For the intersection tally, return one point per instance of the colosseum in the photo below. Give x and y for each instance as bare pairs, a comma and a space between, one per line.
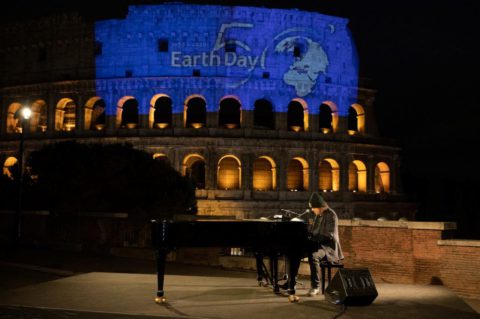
259, 106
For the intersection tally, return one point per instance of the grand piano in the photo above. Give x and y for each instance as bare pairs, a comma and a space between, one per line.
271, 238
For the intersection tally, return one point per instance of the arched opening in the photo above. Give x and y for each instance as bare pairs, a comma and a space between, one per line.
297, 175
128, 113
296, 116
14, 124
382, 178
325, 119
329, 175
160, 111
356, 119
195, 112
264, 174
328, 117
194, 167
263, 115
65, 115
38, 119
229, 113
357, 176
229, 173
10, 168
95, 114
352, 125
161, 157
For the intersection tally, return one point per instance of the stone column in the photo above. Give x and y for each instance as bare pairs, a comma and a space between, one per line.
79, 114
283, 158
281, 121
313, 161
51, 108
344, 163
211, 158
370, 174
395, 181
247, 175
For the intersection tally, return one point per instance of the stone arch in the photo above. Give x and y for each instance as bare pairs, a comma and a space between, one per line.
39, 117
9, 167
13, 124
127, 112
328, 175
263, 114
328, 117
229, 173
160, 114
297, 174
382, 178
356, 119
195, 111
357, 176
194, 167
297, 115
264, 174
94, 114
65, 115
161, 157
230, 112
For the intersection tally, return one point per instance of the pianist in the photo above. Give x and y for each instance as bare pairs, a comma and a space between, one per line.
323, 231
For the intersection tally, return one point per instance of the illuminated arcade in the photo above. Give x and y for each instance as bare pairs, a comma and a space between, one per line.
259, 106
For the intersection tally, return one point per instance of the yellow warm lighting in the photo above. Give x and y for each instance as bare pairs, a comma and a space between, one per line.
131, 125
231, 125
351, 132
99, 127
26, 113
69, 127
197, 125
296, 128
325, 130
161, 125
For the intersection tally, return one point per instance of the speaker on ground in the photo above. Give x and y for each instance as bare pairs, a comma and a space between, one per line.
351, 287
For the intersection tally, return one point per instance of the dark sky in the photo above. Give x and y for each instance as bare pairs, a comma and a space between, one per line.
420, 57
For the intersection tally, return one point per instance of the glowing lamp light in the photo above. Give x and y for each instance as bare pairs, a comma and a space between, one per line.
296, 128
351, 132
231, 125
325, 130
26, 113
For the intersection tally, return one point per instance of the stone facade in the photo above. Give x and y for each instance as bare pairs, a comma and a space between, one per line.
105, 82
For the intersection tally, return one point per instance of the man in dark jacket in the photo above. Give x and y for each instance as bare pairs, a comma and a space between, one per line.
323, 229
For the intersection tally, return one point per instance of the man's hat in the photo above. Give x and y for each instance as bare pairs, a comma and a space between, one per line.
316, 201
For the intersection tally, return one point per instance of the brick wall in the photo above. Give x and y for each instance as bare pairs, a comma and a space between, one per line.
412, 253
403, 253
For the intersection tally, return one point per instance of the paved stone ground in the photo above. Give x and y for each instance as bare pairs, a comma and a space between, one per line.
73, 286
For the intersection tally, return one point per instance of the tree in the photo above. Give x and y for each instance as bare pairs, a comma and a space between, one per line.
70, 177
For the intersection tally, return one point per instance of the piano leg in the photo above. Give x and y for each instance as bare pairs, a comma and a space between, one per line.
294, 264
161, 258
274, 272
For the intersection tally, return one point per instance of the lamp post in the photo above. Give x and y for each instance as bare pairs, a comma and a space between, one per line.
25, 114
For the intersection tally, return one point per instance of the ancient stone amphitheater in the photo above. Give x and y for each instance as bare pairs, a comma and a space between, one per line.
259, 106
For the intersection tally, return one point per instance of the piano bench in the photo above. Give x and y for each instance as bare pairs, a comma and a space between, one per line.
324, 264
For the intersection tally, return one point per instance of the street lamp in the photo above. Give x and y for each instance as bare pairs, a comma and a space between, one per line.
25, 114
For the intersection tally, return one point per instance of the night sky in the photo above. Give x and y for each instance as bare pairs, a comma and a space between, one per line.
420, 57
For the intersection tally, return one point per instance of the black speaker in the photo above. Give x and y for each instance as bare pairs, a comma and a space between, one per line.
351, 287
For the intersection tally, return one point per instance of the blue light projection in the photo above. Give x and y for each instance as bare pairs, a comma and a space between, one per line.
216, 51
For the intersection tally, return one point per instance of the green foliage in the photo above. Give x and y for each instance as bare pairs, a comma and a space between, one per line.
75, 177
